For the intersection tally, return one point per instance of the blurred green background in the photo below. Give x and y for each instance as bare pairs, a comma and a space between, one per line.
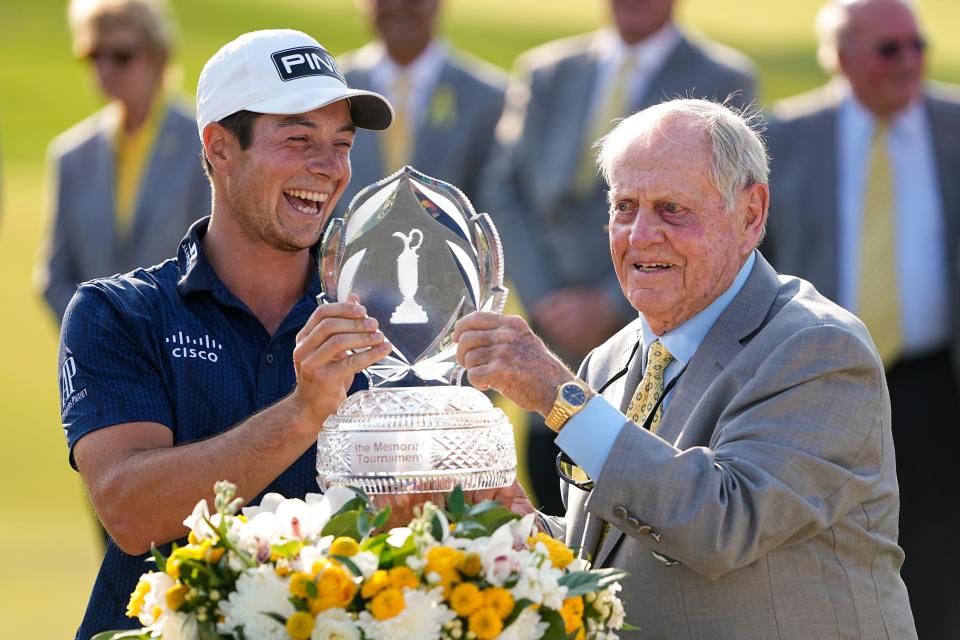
48, 549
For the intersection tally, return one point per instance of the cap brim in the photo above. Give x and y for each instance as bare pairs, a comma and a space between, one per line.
368, 110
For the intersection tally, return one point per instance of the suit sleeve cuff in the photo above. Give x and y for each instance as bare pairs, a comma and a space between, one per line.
588, 436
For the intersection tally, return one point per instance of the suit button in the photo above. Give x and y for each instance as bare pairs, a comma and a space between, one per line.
633, 522
620, 511
644, 529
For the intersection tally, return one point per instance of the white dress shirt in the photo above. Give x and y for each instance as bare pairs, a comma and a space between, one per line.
423, 74
649, 55
920, 252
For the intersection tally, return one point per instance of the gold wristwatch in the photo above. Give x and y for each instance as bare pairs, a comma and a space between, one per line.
572, 396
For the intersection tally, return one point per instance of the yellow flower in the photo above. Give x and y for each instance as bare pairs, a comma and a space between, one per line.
298, 584
300, 625
135, 606
176, 596
387, 604
318, 567
470, 564
443, 561
335, 587
560, 554
344, 546
485, 623
572, 614
401, 577
500, 600
376, 583
465, 599
173, 567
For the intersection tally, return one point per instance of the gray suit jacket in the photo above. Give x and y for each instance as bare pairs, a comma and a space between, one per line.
83, 242
803, 230
771, 480
450, 146
552, 236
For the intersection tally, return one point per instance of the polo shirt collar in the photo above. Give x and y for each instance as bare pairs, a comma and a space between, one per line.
197, 274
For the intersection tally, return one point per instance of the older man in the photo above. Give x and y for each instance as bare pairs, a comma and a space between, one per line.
731, 447
447, 102
865, 206
219, 364
542, 178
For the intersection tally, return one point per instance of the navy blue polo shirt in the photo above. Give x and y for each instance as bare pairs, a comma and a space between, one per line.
171, 345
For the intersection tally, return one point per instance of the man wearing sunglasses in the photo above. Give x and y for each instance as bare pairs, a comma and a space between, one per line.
731, 447
864, 206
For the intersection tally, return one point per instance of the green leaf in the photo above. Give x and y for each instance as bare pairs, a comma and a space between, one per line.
482, 507
456, 504
276, 616
344, 524
495, 517
288, 549
629, 627
349, 564
556, 630
299, 604
116, 635
159, 559
381, 518
581, 583
518, 608
354, 504
363, 524
436, 528
312, 589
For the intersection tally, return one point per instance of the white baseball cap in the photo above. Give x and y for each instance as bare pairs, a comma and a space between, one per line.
280, 71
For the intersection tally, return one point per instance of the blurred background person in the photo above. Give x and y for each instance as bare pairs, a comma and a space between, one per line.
447, 102
865, 205
542, 187
125, 183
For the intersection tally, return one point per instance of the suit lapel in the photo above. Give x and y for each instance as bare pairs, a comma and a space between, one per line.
576, 91
743, 316
100, 211
150, 209
432, 138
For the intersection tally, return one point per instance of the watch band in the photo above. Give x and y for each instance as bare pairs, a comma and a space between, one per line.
562, 410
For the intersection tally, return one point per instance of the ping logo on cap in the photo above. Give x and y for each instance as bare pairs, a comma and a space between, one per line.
300, 62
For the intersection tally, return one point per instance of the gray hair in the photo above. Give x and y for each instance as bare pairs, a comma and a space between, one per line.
831, 26
90, 19
738, 155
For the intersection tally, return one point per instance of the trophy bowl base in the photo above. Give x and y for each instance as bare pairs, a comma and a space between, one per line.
416, 440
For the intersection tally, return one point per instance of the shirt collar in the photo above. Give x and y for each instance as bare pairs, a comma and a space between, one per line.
860, 121
197, 274
649, 53
683, 342
421, 71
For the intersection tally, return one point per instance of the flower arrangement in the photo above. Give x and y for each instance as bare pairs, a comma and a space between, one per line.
318, 569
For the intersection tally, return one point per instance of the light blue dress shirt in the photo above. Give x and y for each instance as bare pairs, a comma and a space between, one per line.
589, 435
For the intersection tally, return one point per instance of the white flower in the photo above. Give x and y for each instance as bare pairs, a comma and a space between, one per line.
196, 521
398, 537
423, 617
610, 607
539, 584
335, 497
269, 504
298, 520
367, 562
259, 591
180, 626
154, 610
527, 626
334, 624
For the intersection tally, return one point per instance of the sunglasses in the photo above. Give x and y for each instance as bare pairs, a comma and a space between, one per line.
892, 49
117, 57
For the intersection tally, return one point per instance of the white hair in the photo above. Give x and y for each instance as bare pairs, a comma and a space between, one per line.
738, 155
831, 25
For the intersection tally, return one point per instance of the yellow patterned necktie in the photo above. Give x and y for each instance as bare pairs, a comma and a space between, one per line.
879, 301
650, 389
613, 106
398, 137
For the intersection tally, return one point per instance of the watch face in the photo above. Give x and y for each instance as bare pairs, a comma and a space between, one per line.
574, 395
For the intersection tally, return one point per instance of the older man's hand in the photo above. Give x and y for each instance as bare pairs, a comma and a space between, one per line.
503, 353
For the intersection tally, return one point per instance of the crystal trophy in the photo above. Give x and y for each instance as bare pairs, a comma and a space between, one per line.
419, 258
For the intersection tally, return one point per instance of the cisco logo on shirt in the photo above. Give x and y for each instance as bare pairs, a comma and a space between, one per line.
182, 345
